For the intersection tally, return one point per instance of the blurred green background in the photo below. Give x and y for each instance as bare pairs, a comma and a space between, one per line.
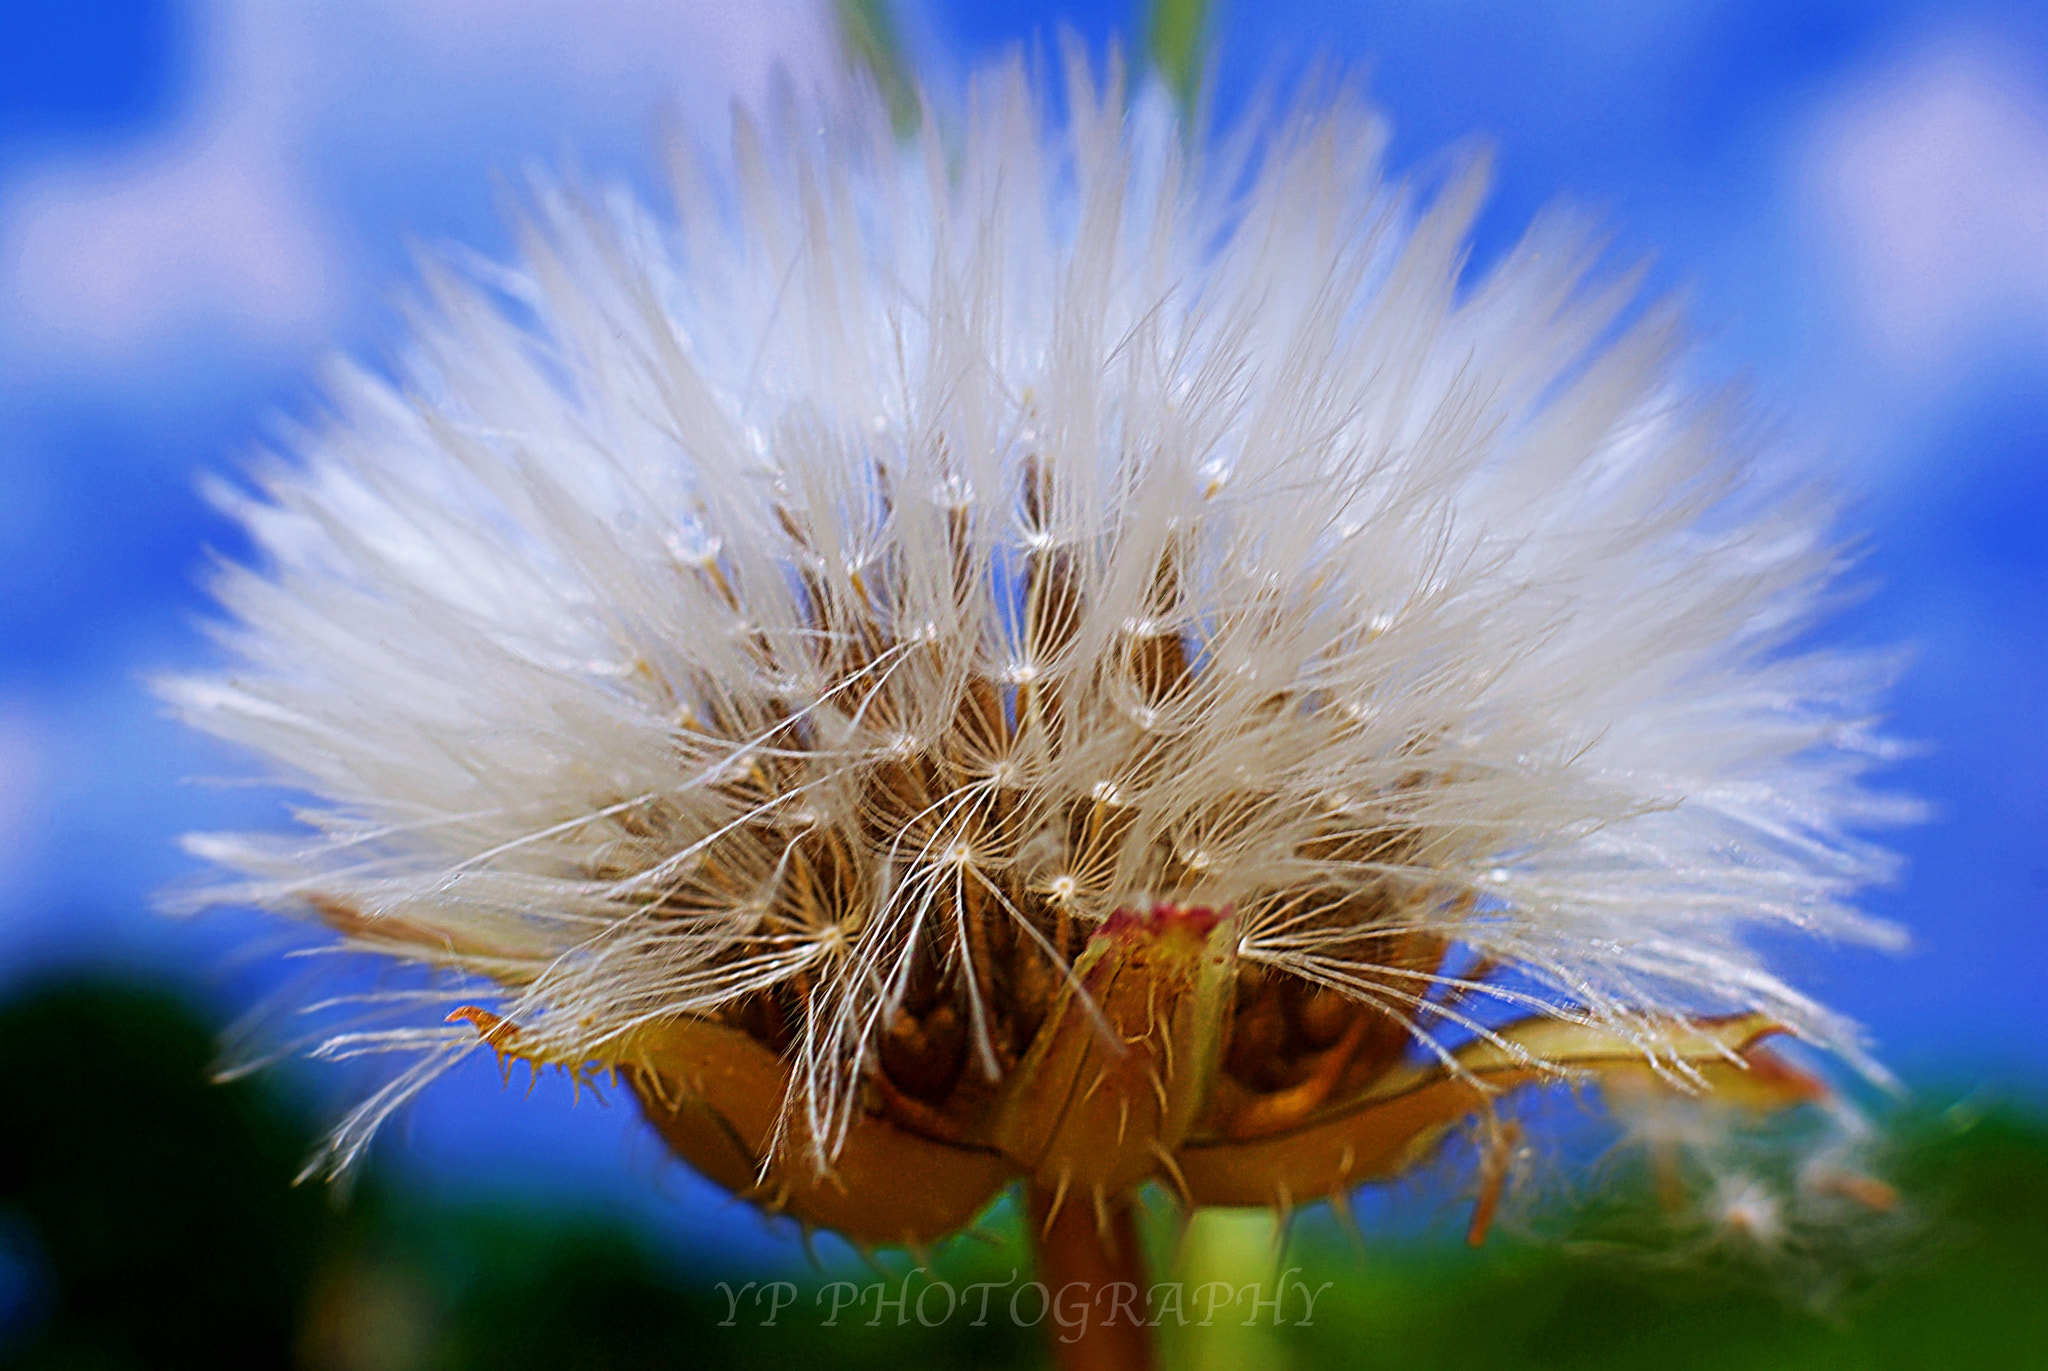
148, 1220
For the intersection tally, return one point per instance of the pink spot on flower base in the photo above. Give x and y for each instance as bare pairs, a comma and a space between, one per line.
1161, 919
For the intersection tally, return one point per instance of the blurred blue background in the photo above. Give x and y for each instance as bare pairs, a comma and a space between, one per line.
200, 200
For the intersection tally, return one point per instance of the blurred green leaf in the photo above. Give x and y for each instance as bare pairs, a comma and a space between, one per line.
872, 39
1177, 41
163, 1205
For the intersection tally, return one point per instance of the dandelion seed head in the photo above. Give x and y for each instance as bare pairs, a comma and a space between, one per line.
815, 616
1746, 1209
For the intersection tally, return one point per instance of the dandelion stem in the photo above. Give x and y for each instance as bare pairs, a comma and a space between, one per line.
1091, 1250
